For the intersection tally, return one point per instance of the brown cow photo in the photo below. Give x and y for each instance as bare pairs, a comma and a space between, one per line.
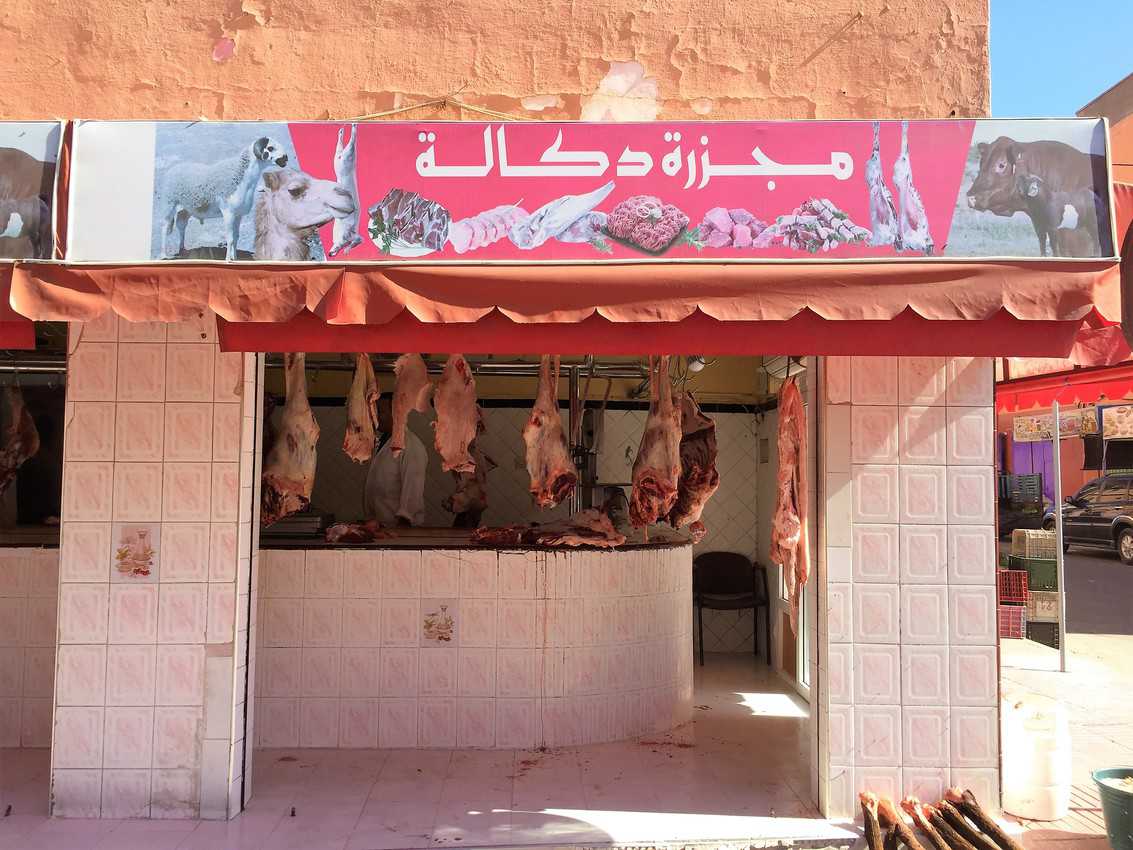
28, 152
1033, 197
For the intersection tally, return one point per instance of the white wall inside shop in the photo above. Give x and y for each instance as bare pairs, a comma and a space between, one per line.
733, 516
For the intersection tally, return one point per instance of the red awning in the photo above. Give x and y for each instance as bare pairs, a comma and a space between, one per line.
769, 307
15, 330
1085, 386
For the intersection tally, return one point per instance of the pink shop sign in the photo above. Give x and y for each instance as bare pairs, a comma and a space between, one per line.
470, 192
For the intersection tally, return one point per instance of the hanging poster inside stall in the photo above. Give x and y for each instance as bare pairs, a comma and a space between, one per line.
1117, 422
1075, 422
29, 154
590, 192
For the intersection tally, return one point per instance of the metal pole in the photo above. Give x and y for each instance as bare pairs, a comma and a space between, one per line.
1058, 552
573, 413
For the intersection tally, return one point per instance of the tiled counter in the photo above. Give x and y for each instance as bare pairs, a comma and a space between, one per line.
471, 648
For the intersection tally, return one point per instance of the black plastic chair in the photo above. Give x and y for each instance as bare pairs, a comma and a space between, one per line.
728, 581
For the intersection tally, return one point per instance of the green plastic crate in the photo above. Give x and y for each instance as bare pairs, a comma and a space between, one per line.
1042, 573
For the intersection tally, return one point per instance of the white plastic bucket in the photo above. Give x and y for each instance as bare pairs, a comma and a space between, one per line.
1036, 757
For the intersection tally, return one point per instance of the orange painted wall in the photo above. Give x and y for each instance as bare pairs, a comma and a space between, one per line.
339, 59
1121, 149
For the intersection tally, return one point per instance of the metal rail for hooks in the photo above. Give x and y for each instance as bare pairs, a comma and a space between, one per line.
512, 369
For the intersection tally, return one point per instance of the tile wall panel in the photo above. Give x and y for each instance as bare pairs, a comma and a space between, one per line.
148, 689
910, 661
29, 590
485, 666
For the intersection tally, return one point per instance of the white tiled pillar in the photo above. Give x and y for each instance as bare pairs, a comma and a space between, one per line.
911, 663
150, 672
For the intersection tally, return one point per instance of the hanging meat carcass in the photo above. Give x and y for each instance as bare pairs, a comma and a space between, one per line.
657, 470
411, 391
457, 415
21, 439
361, 412
289, 471
882, 212
553, 473
699, 478
912, 221
789, 543
471, 494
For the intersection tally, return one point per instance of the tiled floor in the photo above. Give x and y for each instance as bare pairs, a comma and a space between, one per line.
737, 772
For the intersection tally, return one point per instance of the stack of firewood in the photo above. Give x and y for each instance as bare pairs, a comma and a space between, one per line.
955, 823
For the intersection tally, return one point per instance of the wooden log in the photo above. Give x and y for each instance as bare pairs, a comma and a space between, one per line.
892, 842
887, 814
967, 803
953, 837
912, 807
869, 818
962, 825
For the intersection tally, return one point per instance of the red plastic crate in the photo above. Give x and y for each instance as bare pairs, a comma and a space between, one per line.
1012, 587
1012, 621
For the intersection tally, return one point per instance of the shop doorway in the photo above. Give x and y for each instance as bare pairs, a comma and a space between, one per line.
347, 719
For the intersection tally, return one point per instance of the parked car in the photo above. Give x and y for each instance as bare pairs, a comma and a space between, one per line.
1099, 514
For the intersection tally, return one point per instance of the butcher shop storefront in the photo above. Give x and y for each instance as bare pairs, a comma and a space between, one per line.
522, 483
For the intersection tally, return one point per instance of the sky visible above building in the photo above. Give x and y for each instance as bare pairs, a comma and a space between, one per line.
1049, 58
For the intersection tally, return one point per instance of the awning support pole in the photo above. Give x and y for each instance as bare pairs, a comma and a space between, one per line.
1059, 554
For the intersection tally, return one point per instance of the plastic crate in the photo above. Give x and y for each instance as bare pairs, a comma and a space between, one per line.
1033, 544
1042, 573
1042, 606
1012, 587
1044, 633
1012, 621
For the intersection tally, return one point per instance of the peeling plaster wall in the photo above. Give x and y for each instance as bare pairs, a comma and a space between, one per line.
555, 60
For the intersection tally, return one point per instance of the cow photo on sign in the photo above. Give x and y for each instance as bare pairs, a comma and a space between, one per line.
1034, 188
28, 154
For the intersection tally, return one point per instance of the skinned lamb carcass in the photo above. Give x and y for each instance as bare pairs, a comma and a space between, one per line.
361, 412
790, 546
411, 391
554, 217
21, 439
882, 212
457, 415
289, 471
471, 492
699, 478
553, 473
657, 469
912, 221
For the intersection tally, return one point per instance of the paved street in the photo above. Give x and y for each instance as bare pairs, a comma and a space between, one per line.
1099, 598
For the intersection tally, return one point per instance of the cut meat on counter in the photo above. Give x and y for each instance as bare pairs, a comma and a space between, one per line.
723, 228
484, 228
646, 222
554, 217
699, 478
457, 415
471, 494
406, 217
789, 542
553, 473
657, 469
289, 471
361, 412
21, 439
411, 391
590, 527
357, 532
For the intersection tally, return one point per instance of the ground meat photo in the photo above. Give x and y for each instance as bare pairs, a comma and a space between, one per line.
645, 222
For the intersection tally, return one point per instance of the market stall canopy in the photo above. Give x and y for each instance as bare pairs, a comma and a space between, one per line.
1085, 386
591, 235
